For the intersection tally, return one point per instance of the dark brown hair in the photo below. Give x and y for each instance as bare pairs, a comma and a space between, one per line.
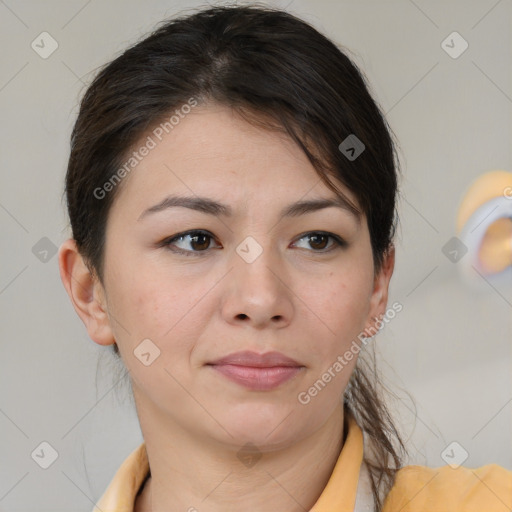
276, 71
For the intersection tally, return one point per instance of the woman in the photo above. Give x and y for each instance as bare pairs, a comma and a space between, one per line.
232, 195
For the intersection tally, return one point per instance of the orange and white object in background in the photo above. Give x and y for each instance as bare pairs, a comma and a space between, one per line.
484, 225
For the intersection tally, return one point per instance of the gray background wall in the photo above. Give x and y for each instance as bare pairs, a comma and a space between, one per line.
450, 347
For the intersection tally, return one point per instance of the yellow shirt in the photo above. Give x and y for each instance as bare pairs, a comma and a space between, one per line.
416, 488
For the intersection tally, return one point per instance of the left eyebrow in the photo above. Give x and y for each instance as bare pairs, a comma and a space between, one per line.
211, 207
312, 205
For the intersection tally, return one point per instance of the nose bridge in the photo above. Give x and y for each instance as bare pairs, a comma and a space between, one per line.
258, 294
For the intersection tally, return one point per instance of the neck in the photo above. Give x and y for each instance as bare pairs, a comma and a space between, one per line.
193, 475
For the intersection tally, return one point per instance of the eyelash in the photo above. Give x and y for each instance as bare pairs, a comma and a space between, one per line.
339, 243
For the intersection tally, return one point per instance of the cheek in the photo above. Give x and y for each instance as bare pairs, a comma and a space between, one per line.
150, 305
168, 314
341, 302
342, 307
164, 309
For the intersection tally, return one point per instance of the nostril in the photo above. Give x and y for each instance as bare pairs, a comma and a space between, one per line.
242, 316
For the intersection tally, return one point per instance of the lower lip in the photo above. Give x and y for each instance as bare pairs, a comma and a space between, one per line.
260, 379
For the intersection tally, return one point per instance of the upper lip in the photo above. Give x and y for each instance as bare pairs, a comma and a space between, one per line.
248, 358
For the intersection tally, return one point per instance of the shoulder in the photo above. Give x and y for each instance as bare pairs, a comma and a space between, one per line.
420, 488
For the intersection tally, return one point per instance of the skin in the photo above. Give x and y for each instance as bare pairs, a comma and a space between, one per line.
297, 297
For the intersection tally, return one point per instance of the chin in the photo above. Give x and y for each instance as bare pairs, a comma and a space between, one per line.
267, 426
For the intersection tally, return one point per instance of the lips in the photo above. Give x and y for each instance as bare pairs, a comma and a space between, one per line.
258, 372
248, 358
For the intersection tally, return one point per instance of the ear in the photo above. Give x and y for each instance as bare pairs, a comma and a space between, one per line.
86, 293
379, 298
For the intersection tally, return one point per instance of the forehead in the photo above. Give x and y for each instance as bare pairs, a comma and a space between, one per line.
212, 151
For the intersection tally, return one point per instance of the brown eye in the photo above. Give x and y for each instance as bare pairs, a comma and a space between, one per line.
189, 243
319, 241
200, 242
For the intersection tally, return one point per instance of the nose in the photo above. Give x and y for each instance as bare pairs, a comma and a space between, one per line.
257, 293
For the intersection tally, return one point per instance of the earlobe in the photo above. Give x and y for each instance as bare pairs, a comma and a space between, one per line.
85, 292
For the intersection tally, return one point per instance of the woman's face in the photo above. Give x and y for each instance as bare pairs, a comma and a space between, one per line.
252, 280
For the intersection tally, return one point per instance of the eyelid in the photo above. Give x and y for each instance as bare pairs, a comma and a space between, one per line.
167, 242
339, 242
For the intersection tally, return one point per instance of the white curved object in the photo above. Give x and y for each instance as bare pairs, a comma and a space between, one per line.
472, 235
